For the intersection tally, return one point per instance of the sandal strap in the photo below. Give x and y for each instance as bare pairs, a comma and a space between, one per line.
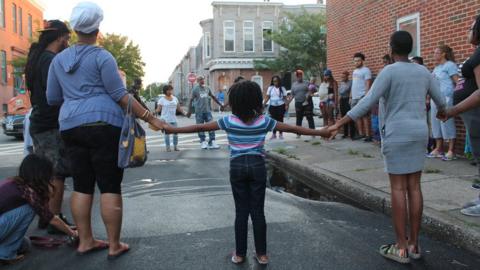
394, 250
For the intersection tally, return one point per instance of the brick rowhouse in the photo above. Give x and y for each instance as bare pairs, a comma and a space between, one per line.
366, 26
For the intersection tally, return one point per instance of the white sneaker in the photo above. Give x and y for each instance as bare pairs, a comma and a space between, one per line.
214, 145
204, 145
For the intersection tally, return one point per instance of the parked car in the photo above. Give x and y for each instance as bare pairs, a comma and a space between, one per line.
13, 125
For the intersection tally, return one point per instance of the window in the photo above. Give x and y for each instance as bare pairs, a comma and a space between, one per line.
248, 36
411, 24
267, 31
30, 26
17, 79
3, 66
14, 18
229, 36
2, 13
20, 21
206, 45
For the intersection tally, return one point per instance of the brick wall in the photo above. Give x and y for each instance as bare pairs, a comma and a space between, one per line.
366, 26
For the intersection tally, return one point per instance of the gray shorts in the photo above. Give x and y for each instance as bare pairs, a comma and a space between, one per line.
50, 145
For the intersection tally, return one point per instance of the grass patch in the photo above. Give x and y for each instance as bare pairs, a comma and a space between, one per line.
361, 170
284, 152
431, 170
353, 152
316, 143
367, 155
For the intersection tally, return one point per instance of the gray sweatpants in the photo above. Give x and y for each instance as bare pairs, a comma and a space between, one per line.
471, 119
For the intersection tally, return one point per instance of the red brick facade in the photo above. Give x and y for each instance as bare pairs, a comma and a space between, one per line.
365, 26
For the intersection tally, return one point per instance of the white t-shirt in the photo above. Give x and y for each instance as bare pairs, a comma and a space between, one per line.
169, 109
276, 97
359, 79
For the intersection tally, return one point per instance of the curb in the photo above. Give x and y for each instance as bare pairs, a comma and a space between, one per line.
439, 225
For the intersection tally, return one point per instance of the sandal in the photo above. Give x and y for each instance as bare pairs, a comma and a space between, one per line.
46, 242
392, 252
262, 259
237, 259
414, 252
15, 260
449, 157
434, 154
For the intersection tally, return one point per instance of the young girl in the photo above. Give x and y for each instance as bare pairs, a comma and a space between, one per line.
169, 106
21, 197
247, 128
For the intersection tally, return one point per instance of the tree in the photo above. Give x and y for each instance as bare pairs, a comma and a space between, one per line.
127, 54
303, 38
152, 90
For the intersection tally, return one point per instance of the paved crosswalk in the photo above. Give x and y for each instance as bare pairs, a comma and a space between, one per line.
185, 141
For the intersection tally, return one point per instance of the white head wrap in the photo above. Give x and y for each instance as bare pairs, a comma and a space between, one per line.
86, 17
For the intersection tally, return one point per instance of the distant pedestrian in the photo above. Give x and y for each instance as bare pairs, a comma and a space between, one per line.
221, 98
328, 102
417, 60
446, 73
402, 88
84, 80
247, 128
303, 104
276, 97
44, 126
168, 106
344, 91
201, 101
135, 91
467, 105
361, 83
21, 198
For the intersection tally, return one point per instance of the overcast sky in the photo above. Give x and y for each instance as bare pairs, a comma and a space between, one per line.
163, 29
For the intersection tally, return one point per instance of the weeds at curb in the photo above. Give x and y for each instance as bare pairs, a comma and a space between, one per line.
430, 170
367, 156
316, 143
284, 152
353, 152
361, 170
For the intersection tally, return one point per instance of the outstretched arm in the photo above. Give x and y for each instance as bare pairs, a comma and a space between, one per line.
212, 126
302, 131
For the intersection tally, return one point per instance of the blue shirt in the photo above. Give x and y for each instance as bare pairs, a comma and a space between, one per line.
85, 81
246, 139
443, 73
221, 96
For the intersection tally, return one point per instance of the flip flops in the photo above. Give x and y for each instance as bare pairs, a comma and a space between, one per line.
100, 247
260, 260
46, 242
237, 259
392, 252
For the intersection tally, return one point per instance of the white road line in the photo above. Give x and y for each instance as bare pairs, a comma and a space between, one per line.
11, 147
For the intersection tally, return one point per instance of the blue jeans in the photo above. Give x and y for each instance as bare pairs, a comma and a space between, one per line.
248, 177
175, 136
13, 226
202, 118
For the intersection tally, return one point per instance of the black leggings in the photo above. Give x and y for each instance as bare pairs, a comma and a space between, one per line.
307, 111
348, 129
93, 151
277, 113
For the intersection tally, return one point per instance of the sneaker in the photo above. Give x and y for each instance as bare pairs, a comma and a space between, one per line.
473, 211
368, 139
476, 186
204, 145
175, 148
471, 203
299, 136
213, 145
273, 137
280, 137
169, 149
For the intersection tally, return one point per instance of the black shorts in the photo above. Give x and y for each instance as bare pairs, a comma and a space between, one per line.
93, 152
277, 112
50, 145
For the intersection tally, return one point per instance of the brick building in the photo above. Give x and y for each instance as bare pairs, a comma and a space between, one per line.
366, 26
19, 20
232, 39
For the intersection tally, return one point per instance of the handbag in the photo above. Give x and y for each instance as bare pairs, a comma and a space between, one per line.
132, 148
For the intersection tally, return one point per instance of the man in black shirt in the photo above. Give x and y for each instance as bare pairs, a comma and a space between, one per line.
44, 127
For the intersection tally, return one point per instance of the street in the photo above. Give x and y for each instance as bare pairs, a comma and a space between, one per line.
179, 214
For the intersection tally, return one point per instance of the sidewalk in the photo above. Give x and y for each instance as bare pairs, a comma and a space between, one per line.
355, 169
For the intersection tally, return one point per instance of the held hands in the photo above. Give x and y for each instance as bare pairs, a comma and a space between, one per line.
157, 124
333, 130
445, 114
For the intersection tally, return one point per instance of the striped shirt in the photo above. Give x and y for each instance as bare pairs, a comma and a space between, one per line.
246, 139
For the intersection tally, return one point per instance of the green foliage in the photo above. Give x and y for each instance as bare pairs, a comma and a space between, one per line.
126, 53
152, 90
304, 38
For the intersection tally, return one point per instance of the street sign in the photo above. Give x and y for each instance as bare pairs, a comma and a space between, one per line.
192, 77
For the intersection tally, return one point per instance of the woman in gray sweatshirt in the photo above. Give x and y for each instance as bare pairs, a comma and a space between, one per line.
401, 89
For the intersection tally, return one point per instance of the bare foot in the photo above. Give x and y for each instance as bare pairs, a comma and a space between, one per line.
118, 250
96, 244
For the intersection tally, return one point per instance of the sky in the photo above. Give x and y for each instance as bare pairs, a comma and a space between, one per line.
164, 30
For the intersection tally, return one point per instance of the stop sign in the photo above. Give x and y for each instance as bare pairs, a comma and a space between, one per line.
192, 77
